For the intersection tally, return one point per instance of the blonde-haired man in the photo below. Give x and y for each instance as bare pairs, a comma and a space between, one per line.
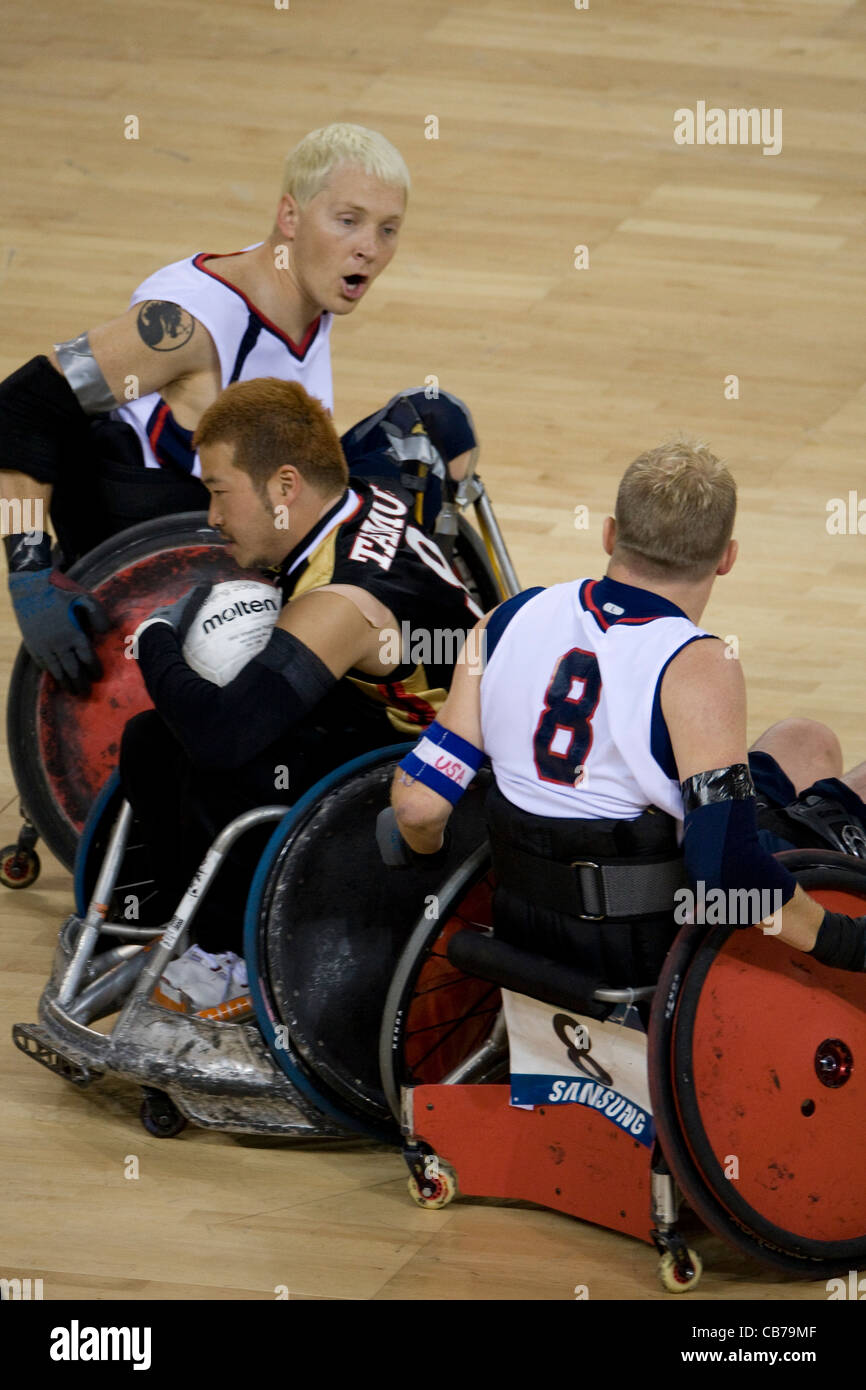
100, 430
616, 730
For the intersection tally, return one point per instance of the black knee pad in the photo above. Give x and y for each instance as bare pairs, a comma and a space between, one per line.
447, 421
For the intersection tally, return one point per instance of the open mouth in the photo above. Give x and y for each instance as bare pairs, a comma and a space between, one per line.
354, 285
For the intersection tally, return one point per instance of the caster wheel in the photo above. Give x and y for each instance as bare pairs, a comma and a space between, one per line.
677, 1279
161, 1117
18, 867
442, 1190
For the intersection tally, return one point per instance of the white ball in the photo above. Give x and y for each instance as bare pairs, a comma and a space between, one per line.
232, 626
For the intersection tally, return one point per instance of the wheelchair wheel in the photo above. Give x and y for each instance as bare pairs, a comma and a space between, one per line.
757, 1065
135, 889
63, 747
434, 1015
325, 925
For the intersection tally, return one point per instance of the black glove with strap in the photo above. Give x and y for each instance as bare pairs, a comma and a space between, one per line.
54, 613
841, 942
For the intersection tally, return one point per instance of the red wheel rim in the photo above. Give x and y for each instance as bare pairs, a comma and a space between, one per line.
780, 1149
79, 739
450, 1013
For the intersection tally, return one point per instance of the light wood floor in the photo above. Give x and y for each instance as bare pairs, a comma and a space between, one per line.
555, 130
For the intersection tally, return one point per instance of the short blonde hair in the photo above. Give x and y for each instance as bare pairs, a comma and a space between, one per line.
311, 163
675, 511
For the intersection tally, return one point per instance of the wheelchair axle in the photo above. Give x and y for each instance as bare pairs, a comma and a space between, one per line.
159, 1114
679, 1267
432, 1183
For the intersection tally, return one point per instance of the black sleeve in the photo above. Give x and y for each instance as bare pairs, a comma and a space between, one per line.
41, 421
228, 726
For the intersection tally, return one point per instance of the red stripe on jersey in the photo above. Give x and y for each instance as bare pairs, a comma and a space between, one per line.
158, 427
298, 349
604, 622
596, 612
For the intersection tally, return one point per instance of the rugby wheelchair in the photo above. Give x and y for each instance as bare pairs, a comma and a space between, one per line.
62, 747
383, 1005
733, 1082
325, 925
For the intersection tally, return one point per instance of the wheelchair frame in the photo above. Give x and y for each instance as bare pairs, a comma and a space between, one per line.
19, 862
560, 1156
227, 1076
221, 1076
234, 1076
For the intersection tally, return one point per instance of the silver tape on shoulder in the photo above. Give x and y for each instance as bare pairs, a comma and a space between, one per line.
84, 375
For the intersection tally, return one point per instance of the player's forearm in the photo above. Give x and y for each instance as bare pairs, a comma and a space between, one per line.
796, 923
25, 504
228, 726
420, 820
830, 937
424, 839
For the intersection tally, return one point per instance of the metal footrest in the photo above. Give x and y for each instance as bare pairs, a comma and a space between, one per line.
36, 1042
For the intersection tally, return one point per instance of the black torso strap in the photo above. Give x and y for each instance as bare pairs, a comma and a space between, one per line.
591, 869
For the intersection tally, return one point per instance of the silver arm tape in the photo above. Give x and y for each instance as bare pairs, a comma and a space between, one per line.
84, 375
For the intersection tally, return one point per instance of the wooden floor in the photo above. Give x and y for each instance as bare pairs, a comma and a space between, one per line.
555, 130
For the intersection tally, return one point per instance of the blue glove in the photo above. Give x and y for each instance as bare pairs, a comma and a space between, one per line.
55, 615
178, 615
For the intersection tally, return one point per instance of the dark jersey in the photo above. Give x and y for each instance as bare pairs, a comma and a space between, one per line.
368, 539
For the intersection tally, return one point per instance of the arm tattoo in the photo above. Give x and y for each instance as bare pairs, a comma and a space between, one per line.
164, 326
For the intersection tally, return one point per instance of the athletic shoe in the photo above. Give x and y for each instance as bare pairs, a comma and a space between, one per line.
198, 980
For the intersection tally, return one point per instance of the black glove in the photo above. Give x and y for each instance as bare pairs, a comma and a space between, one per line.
54, 614
841, 942
397, 854
179, 615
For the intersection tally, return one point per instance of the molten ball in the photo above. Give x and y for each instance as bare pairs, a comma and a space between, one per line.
232, 626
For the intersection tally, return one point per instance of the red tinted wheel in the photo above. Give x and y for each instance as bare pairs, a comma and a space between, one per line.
435, 1016
758, 1077
63, 747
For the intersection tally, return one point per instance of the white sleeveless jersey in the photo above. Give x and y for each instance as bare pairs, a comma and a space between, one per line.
570, 708
247, 343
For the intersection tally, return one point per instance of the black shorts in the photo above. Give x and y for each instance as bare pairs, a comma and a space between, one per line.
181, 808
774, 789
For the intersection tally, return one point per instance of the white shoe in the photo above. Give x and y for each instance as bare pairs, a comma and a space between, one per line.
239, 981
198, 980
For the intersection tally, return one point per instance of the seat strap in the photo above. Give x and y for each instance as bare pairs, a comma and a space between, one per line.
592, 889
